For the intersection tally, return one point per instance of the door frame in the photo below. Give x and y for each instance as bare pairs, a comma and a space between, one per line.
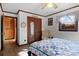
2, 42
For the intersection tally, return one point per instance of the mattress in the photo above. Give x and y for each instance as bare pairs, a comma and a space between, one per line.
55, 47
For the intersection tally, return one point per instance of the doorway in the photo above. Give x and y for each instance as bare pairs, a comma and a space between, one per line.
8, 31
34, 29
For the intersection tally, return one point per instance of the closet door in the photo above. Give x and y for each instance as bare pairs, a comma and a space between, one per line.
38, 29
33, 29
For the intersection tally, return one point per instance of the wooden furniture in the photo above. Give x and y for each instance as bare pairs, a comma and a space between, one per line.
34, 33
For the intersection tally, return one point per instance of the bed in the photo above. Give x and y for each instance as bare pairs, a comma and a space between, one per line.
54, 47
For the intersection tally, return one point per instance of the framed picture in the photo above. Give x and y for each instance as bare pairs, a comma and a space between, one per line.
50, 21
68, 23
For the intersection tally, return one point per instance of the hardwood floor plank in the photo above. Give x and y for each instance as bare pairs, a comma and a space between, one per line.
11, 48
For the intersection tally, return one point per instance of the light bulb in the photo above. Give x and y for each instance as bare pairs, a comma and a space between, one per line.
49, 5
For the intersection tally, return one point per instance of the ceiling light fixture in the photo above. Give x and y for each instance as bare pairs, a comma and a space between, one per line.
49, 5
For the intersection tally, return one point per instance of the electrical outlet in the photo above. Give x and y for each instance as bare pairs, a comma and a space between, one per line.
24, 40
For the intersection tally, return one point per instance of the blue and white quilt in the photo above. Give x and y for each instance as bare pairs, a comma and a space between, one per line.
55, 47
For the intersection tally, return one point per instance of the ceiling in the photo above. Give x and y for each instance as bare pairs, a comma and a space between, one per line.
36, 7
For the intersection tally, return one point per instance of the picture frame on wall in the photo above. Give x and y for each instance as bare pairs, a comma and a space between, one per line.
50, 21
68, 23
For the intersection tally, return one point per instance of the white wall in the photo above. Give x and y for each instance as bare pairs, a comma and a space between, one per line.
0, 26
22, 32
64, 34
9, 14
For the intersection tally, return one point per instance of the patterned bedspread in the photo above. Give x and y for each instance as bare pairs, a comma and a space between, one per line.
55, 47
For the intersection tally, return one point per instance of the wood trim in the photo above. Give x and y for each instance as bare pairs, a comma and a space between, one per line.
10, 16
33, 17
30, 13
9, 12
46, 15
1, 32
6, 11
1, 7
19, 11
17, 31
38, 14
63, 10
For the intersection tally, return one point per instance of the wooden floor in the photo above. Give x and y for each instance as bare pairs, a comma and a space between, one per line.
11, 48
